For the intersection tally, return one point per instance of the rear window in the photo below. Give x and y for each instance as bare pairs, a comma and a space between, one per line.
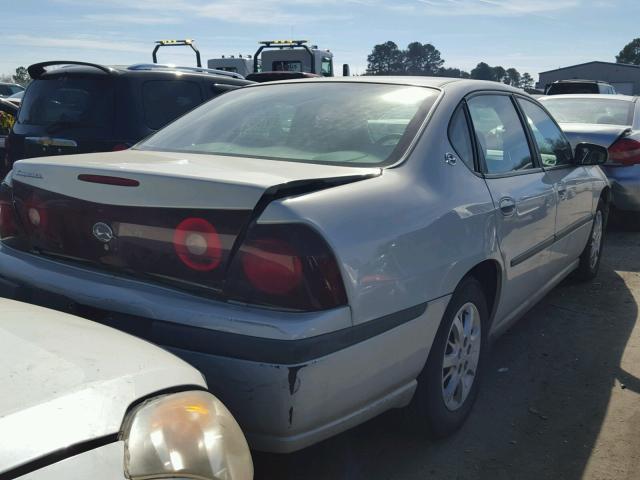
601, 111
332, 123
573, 87
72, 101
166, 100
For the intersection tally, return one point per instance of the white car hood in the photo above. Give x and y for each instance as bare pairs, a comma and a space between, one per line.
67, 380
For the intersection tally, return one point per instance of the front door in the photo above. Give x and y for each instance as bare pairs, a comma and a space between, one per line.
524, 199
573, 185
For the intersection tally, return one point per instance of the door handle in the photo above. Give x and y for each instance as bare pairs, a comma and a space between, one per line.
507, 206
562, 190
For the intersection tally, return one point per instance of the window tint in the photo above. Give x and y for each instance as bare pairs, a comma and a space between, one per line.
554, 148
573, 87
344, 123
326, 67
502, 141
287, 66
165, 100
460, 137
73, 101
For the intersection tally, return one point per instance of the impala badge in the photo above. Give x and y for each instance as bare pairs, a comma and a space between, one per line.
103, 232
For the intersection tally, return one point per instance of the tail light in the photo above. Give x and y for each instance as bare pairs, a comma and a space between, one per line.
286, 266
8, 227
119, 147
197, 244
625, 151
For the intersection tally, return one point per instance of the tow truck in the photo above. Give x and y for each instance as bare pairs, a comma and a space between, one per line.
280, 59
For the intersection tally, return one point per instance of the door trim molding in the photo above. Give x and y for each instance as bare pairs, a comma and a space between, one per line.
517, 260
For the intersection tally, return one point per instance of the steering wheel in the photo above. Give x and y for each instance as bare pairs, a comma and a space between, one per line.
384, 141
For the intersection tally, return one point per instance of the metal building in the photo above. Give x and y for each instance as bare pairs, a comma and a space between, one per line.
624, 77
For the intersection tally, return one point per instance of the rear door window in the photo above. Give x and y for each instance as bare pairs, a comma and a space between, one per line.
502, 141
460, 137
82, 102
166, 100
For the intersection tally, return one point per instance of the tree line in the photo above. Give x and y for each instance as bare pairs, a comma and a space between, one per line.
21, 77
425, 59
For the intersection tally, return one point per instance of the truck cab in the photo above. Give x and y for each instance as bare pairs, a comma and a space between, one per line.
295, 56
279, 59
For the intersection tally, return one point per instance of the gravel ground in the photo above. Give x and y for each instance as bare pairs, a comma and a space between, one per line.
560, 399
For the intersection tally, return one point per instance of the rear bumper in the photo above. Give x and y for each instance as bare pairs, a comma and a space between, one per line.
291, 380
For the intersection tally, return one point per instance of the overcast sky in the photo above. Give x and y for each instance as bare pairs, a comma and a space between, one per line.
531, 36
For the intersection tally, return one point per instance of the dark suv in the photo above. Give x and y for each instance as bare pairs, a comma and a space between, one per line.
80, 107
562, 87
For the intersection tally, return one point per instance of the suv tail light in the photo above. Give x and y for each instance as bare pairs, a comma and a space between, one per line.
285, 266
8, 226
625, 151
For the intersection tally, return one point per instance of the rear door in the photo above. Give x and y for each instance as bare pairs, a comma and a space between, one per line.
524, 200
573, 184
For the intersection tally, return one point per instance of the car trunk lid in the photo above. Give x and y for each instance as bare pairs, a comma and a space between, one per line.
168, 217
603, 135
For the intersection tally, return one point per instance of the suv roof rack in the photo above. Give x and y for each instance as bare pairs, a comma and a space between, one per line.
38, 69
176, 43
157, 66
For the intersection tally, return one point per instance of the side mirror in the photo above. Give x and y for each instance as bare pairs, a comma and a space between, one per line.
590, 154
346, 71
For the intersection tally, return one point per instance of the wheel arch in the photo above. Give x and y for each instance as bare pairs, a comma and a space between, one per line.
489, 274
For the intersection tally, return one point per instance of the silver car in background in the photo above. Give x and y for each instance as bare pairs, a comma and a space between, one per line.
612, 121
322, 250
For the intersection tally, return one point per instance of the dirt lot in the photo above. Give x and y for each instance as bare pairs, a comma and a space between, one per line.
560, 400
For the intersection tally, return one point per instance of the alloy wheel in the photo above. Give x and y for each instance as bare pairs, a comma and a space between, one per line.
461, 356
596, 240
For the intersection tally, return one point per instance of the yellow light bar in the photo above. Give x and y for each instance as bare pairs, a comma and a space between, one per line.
284, 42
188, 41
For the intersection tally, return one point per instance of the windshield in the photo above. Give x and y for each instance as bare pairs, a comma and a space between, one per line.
338, 123
77, 101
590, 110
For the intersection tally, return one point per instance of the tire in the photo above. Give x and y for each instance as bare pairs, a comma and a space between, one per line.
592, 254
433, 409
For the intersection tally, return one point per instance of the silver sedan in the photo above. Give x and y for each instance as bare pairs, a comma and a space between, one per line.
612, 121
322, 250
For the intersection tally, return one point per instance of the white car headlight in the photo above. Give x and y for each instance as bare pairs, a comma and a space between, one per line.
185, 435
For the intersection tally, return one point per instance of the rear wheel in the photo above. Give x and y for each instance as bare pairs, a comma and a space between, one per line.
592, 253
448, 384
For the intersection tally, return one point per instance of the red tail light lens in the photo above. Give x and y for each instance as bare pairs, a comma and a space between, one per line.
197, 244
119, 147
286, 266
8, 227
625, 151
272, 266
